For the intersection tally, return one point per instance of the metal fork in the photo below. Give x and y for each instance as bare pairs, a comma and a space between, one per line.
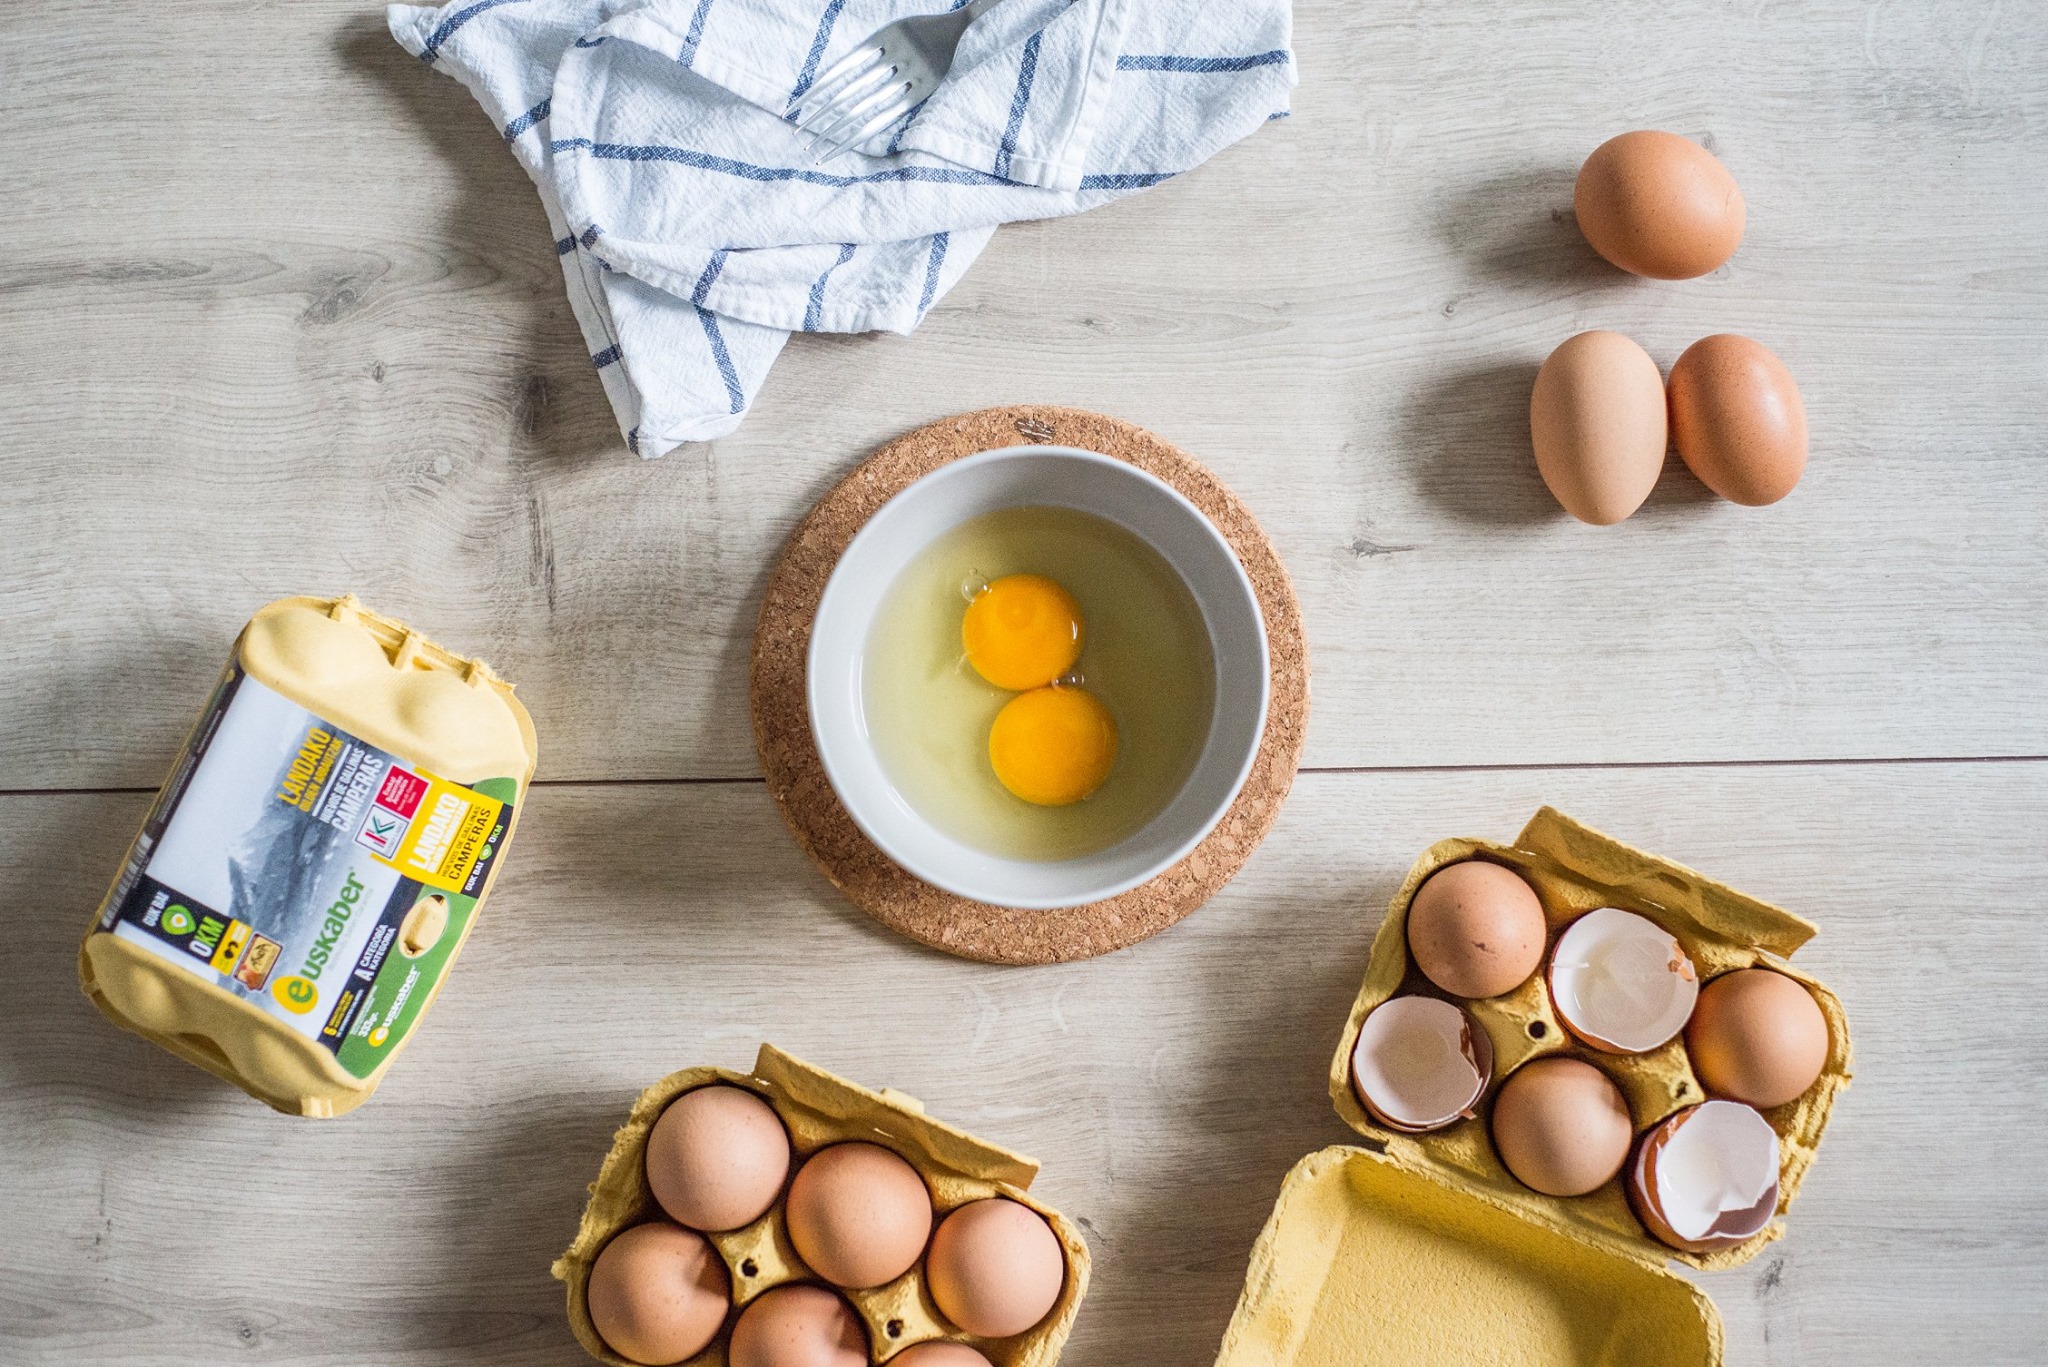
883, 78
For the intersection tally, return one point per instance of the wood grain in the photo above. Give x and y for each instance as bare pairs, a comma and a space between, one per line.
280, 314
154, 1216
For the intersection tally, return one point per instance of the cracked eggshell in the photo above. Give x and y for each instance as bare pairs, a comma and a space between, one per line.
1622, 983
1707, 1177
1420, 1064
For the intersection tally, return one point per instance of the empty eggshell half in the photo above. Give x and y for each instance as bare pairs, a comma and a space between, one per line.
1621, 982
1707, 1177
1420, 1064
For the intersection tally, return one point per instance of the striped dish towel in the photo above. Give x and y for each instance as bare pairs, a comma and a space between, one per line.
694, 230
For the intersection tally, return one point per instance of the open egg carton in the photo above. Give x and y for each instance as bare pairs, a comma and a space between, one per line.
1425, 1247
1575, 870
818, 1110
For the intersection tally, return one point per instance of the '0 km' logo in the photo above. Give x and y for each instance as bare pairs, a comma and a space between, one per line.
295, 994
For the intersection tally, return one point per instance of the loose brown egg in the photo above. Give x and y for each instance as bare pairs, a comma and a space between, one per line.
1476, 929
717, 1157
939, 1354
1737, 419
1659, 205
858, 1214
995, 1268
1597, 420
1561, 1126
798, 1326
1757, 1036
658, 1293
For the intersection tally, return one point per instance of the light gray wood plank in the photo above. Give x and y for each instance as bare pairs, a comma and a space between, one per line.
151, 1215
279, 314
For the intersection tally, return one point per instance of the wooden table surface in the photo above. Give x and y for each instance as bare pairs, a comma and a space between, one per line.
280, 314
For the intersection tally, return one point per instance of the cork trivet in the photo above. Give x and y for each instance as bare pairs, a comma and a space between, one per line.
796, 777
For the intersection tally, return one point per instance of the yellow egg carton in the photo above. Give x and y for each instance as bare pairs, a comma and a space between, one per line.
819, 1110
1423, 1248
315, 862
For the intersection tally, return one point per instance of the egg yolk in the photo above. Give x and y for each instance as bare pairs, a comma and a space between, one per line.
1023, 632
1053, 746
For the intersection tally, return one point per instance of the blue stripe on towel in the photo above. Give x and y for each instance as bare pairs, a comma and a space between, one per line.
688, 54
432, 47
592, 42
704, 161
1139, 180
1027, 71
526, 120
565, 246
605, 357
724, 358
633, 441
931, 272
590, 236
810, 71
710, 276
1201, 64
814, 312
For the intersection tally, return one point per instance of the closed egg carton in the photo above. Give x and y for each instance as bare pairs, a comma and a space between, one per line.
388, 686
820, 1109
1574, 870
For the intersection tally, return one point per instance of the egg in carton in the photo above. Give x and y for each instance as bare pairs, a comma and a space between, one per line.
819, 1110
1424, 1244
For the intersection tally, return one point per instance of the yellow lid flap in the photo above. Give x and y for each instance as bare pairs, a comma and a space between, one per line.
1634, 876
1370, 1260
894, 1116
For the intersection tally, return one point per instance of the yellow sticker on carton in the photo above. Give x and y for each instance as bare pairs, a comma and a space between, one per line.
447, 838
231, 945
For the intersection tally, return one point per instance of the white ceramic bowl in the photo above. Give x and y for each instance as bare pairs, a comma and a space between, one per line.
1037, 476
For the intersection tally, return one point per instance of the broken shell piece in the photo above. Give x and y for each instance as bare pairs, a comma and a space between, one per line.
1420, 1064
1707, 1177
1620, 982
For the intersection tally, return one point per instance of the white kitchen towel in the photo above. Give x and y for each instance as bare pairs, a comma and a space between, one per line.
695, 231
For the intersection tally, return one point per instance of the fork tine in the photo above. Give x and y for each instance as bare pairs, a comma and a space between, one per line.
830, 106
866, 131
892, 91
861, 56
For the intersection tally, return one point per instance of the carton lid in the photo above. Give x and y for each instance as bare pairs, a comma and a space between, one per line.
894, 1116
1371, 1260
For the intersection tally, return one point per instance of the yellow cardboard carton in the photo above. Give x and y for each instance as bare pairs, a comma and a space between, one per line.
1422, 1248
820, 1109
313, 865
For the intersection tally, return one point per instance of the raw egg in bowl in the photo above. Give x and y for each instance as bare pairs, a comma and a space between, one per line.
1037, 677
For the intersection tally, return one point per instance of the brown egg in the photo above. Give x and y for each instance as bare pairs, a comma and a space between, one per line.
939, 1354
1737, 420
858, 1214
1561, 1126
658, 1293
1757, 1036
1476, 929
798, 1326
995, 1268
1597, 420
1659, 205
717, 1157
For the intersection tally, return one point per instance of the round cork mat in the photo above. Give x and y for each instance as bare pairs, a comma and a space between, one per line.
796, 777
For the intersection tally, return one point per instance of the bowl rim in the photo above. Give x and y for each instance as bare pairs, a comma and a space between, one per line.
873, 528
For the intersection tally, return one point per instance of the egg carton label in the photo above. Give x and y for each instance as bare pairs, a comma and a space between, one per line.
320, 879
